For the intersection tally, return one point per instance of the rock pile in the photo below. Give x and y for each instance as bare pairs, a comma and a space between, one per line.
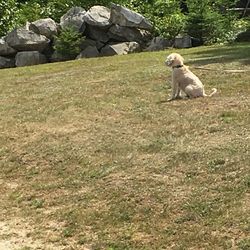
114, 31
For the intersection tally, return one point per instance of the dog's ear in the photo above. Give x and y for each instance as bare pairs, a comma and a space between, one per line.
179, 57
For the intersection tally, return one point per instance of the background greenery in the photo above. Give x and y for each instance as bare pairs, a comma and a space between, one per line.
208, 20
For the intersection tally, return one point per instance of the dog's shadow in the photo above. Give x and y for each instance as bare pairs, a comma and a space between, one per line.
162, 101
184, 98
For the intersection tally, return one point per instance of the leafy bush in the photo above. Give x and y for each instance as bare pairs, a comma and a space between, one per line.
55, 9
29, 12
8, 17
68, 43
239, 26
166, 16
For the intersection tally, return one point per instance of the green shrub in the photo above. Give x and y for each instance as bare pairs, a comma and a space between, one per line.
166, 16
8, 17
55, 9
29, 12
68, 42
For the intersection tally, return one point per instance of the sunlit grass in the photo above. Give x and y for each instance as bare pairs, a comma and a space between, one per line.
92, 156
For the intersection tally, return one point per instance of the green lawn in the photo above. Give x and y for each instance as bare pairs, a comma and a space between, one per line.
93, 157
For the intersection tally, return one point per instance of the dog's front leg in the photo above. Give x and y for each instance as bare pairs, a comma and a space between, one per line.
175, 91
178, 95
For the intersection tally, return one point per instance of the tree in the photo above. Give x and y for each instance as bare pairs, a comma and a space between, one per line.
68, 43
209, 20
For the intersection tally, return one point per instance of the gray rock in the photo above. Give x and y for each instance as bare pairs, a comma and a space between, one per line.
97, 34
183, 42
57, 57
90, 51
26, 40
159, 43
120, 49
74, 18
88, 42
98, 16
128, 18
127, 34
46, 27
28, 58
5, 49
6, 62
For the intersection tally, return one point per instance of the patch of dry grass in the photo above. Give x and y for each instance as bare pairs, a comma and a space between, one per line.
92, 157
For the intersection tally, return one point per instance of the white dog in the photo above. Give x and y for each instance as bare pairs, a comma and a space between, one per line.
184, 80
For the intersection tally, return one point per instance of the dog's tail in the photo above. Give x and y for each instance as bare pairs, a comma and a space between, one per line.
214, 90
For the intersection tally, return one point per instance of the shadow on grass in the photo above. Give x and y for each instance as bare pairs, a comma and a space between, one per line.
226, 54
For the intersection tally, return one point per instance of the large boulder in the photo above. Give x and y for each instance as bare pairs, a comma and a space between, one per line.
5, 49
120, 49
128, 18
97, 34
6, 62
181, 42
98, 16
28, 58
46, 27
26, 40
74, 18
90, 51
159, 43
127, 34
91, 43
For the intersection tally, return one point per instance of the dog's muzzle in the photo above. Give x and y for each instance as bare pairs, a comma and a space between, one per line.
168, 62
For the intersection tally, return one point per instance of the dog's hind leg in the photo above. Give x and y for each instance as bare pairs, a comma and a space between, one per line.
192, 92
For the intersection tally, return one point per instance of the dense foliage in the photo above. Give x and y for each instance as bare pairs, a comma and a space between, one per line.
8, 17
166, 15
208, 20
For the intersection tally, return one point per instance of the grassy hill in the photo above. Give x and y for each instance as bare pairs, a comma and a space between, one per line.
92, 157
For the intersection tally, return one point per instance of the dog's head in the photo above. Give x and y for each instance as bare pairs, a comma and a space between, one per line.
174, 59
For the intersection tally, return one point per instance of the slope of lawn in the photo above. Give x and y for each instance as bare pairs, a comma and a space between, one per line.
93, 157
